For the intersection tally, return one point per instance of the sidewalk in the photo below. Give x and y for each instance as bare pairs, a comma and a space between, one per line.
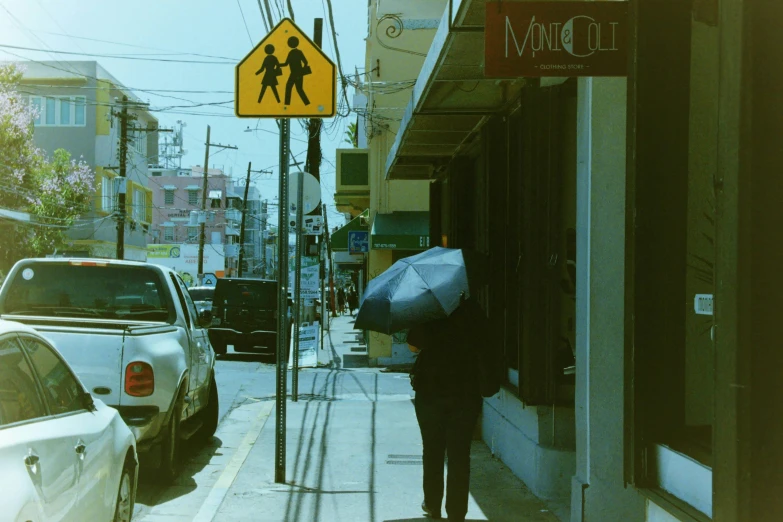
354, 454
346, 345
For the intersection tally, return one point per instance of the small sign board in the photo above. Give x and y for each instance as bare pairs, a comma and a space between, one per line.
703, 304
538, 39
358, 241
309, 336
310, 280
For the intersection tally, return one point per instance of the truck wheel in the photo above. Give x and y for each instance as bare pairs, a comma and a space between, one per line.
220, 348
170, 447
210, 414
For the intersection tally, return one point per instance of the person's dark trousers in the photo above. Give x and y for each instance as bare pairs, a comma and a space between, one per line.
299, 84
447, 425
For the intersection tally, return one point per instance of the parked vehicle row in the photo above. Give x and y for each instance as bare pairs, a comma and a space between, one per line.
133, 347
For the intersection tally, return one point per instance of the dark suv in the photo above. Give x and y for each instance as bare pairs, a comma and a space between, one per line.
244, 314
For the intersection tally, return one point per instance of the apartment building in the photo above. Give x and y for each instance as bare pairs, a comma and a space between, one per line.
78, 102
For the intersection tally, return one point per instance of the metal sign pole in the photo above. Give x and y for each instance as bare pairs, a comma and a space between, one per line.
298, 285
282, 304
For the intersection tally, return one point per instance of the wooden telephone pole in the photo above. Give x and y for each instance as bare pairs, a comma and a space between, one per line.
201, 238
125, 119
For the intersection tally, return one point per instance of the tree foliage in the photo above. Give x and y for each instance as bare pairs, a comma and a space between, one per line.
352, 134
56, 191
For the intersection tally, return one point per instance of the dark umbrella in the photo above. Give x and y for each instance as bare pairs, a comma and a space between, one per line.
413, 291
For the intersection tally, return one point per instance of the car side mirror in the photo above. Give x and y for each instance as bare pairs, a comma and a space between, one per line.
205, 318
88, 402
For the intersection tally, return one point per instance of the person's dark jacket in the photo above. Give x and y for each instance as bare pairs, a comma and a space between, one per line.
448, 361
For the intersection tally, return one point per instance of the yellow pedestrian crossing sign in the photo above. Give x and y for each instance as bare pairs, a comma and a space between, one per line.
285, 76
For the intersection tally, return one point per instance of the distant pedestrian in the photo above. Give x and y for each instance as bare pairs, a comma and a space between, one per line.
271, 70
353, 300
340, 301
446, 378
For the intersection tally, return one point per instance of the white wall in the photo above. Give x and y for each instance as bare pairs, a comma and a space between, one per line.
598, 490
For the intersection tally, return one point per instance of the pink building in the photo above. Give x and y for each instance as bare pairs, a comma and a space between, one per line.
178, 192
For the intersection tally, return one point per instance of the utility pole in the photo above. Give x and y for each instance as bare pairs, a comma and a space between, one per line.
282, 305
244, 216
125, 118
327, 238
202, 218
264, 210
123, 176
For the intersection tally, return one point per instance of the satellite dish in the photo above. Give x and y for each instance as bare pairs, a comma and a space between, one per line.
311, 193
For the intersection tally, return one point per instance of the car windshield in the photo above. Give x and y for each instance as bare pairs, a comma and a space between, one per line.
256, 294
101, 292
201, 294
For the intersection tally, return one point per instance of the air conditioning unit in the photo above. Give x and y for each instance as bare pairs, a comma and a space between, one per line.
353, 170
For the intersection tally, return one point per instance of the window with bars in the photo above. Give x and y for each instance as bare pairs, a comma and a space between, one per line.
60, 111
193, 233
193, 197
168, 197
168, 233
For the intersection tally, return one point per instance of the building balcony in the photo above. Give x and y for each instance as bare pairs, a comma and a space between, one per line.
234, 215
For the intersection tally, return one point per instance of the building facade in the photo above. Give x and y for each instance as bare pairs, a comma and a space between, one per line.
175, 197
399, 36
629, 224
78, 103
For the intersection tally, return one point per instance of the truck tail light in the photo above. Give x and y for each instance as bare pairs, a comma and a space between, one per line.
139, 379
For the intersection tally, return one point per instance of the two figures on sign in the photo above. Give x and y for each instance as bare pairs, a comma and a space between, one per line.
272, 68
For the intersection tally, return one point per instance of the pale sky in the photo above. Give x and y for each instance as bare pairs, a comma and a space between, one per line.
161, 28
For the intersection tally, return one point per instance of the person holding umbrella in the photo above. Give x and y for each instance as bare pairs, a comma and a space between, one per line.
448, 401
431, 295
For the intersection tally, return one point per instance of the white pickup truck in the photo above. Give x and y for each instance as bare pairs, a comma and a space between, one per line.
131, 333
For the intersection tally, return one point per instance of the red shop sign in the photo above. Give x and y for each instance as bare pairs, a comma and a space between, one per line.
534, 39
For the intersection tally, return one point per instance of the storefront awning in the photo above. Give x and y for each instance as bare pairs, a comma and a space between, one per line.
401, 231
339, 238
452, 99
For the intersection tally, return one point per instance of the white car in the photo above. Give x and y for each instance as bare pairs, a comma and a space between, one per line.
64, 456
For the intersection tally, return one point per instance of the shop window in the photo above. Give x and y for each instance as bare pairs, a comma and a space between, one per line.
673, 245
540, 256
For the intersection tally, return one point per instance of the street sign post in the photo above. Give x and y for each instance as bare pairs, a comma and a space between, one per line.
286, 76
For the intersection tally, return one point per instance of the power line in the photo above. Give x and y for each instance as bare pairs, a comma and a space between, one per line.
245, 22
138, 46
116, 56
26, 84
263, 16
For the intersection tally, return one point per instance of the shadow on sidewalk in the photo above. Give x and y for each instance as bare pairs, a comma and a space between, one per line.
501, 495
322, 402
195, 457
427, 519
